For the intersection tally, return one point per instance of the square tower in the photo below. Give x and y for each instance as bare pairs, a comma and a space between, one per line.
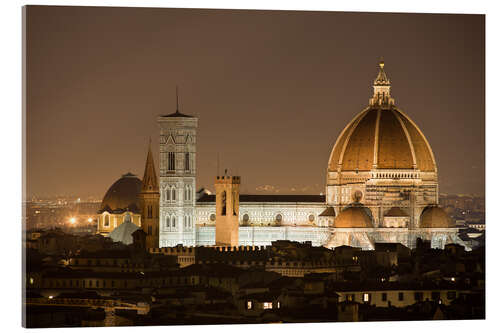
227, 208
177, 179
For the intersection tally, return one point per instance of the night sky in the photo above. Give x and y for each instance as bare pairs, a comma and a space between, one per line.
272, 91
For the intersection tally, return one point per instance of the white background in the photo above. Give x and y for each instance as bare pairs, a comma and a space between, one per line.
11, 162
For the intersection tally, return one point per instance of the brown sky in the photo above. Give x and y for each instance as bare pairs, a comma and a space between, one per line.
272, 91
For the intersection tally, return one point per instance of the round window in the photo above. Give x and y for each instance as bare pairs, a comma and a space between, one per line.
246, 218
279, 218
311, 218
212, 217
357, 196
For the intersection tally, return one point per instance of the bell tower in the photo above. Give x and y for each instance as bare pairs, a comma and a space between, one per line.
227, 206
149, 198
177, 178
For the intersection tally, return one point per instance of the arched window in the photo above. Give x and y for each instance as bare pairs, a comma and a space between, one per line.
168, 193
173, 193
168, 221
173, 221
223, 199
171, 161
186, 162
150, 212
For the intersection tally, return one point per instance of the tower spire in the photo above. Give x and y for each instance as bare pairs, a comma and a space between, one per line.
381, 88
177, 98
149, 181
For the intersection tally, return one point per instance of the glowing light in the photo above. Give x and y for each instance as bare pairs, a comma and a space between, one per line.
51, 297
90, 219
72, 220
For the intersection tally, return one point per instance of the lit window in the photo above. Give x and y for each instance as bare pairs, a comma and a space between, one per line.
249, 305
366, 297
267, 305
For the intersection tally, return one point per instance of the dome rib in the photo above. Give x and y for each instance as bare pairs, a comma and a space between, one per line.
424, 154
375, 141
338, 147
358, 149
393, 147
410, 143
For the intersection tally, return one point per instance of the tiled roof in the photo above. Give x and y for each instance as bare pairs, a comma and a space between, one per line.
271, 198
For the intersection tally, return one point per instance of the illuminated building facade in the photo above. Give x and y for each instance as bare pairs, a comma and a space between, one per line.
381, 186
177, 179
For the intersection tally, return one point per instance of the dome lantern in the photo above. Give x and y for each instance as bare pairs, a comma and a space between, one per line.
382, 89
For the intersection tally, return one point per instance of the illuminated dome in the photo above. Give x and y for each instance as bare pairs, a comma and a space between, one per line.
396, 212
353, 217
381, 137
435, 217
123, 195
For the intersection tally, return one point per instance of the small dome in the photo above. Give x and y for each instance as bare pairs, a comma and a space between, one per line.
123, 233
435, 217
123, 195
329, 211
353, 217
396, 212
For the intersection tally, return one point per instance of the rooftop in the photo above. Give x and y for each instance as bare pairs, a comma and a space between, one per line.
293, 198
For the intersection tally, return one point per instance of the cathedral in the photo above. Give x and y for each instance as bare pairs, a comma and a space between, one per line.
381, 186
